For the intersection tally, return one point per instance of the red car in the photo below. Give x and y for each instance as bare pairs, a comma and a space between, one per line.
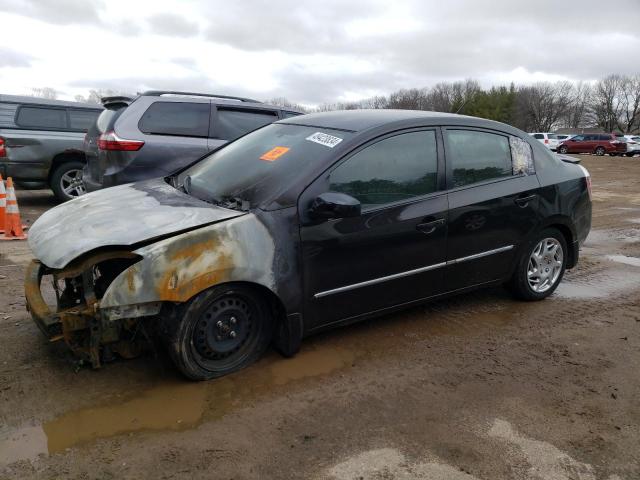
598, 143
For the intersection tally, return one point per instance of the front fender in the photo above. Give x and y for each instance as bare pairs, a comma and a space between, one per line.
177, 268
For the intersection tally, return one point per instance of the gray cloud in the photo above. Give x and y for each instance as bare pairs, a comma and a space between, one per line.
62, 12
172, 25
13, 58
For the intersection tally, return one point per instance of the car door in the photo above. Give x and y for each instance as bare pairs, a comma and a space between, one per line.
394, 251
492, 204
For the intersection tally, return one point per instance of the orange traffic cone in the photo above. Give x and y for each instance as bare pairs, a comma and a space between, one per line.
12, 225
3, 204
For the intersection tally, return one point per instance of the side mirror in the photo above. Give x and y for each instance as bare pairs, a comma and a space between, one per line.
334, 205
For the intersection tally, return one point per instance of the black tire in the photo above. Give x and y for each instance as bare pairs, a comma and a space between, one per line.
59, 179
613, 154
519, 283
202, 349
599, 151
563, 149
630, 154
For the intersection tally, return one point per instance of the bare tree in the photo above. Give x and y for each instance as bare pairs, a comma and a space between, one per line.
540, 107
45, 92
285, 103
629, 104
577, 115
606, 107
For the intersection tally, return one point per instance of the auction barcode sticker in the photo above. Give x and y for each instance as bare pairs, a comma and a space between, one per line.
324, 139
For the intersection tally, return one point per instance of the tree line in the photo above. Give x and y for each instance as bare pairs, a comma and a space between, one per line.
610, 104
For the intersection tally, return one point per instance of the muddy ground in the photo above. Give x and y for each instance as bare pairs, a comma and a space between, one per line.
475, 387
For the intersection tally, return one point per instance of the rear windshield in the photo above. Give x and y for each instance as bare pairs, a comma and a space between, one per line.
259, 165
108, 117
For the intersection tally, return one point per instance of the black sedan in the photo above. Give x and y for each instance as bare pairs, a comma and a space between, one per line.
302, 225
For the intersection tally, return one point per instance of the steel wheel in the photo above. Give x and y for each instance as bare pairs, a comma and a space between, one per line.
545, 265
223, 328
71, 183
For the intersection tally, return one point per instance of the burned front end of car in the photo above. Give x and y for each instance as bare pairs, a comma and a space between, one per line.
65, 305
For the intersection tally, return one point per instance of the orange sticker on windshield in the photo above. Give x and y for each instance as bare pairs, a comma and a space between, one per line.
274, 153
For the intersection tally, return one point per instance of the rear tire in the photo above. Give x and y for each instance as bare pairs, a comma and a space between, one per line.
600, 151
66, 180
563, 149
540, 267
220, 331
630, 154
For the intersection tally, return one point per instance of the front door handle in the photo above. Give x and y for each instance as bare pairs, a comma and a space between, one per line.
430, 227
522, 202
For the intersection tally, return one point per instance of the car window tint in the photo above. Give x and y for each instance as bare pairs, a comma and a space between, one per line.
477, 156
539, 136
176, 118
605, 137
577, 138
39, 117
290, 114
82, 119
396, 168
233, 123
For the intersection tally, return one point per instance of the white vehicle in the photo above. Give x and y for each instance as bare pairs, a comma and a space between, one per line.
563, 137
633, 145
548, 139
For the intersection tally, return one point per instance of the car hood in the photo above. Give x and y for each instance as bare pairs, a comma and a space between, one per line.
119, 216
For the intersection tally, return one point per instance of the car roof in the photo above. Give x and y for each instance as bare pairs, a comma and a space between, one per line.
44, 101
212, 98
360, 120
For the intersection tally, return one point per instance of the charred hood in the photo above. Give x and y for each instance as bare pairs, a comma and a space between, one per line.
121, 216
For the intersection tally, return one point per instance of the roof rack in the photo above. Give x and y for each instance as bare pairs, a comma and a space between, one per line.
158, 93
116, 99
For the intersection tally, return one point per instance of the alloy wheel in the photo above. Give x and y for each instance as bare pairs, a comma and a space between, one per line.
71, 183
545, 265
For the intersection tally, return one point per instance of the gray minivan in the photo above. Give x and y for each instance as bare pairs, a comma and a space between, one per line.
160, 132
41, 142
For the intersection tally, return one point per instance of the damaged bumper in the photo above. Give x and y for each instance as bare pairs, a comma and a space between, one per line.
91, 332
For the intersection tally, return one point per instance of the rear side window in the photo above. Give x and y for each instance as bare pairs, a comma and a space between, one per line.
176, 118
477, 156
539, 136
290, 114
42, 117
233, 123
391, 170
552, 136
82, 119
604, 137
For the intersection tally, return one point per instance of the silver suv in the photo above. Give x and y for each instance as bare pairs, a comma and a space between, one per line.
41, 142
161, 132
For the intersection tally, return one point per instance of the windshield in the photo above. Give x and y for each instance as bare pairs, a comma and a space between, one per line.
259, 165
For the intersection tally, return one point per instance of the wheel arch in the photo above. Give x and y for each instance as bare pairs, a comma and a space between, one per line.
64, 157
566, 228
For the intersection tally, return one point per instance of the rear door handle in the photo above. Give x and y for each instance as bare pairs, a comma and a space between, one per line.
430, 227
524, 201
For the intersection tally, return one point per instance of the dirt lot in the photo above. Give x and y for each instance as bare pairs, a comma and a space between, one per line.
475, 387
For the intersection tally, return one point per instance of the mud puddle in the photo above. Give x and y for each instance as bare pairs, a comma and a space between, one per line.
608, 283
176, 405
627, 260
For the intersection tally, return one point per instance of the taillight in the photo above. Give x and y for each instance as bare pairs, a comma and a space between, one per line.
546, 140
3, 150
110, 141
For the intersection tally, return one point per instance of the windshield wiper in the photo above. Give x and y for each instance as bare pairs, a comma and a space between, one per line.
234, 203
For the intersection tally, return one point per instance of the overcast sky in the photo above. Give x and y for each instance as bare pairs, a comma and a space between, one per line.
309, 51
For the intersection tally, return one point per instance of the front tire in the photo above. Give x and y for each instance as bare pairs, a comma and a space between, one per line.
541, 266
600, 151
220, 331
630, 154
66, 180
563, 149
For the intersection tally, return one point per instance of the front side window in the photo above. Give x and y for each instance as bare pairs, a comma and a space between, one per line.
185, 119
477, 156
233, 123
577, 138
391, 170
42, 117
